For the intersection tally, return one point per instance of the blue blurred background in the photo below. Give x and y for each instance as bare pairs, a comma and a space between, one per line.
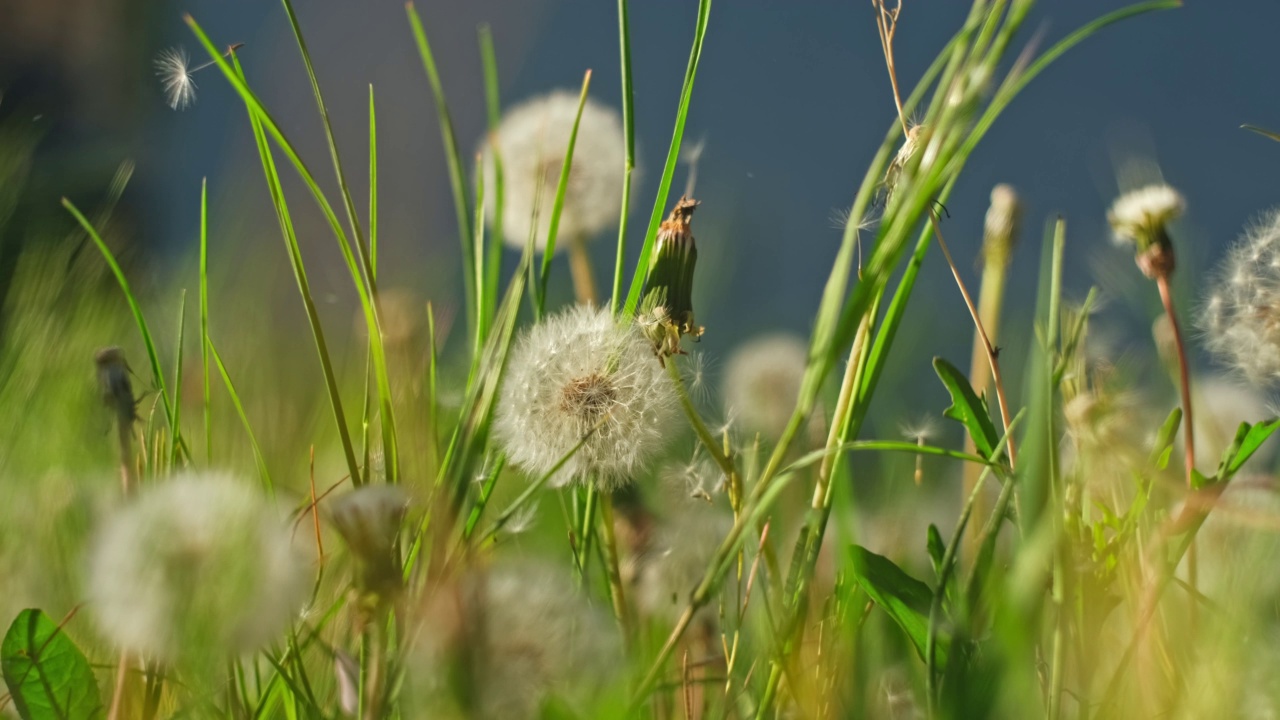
791, 101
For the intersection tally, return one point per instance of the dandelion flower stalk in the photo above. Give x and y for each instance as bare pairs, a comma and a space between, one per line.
1141, 218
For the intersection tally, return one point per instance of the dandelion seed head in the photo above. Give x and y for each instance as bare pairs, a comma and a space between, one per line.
673, 564
1240, 320
531, 142
173, 68
576, 375
197, 566
762, 382
1136, 215
525, 632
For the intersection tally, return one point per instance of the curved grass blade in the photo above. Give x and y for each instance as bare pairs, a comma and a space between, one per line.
558, 205
629, 165
258, 458
673, 155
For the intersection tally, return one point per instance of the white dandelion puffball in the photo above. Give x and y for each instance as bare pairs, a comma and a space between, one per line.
676, 559
1241, 316
1135, 215
531, 142
577, 375
762, 382
517, 634
197, 565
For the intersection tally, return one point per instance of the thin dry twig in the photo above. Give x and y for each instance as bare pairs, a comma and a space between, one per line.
887, 26
993, 356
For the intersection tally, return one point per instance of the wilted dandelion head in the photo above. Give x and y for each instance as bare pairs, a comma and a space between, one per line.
531, 143
504, 641
196, 568
1241, 316
762, 382
369, 519
580, 375
173, 68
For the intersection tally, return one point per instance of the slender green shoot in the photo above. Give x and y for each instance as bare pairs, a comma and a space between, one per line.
629, 165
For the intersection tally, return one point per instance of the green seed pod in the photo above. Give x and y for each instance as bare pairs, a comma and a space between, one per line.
666, 309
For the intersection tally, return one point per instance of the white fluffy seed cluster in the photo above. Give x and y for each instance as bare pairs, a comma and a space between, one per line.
1241, 317
580, 375
1136, 214
531, 141
762, 382
195, 569
508, 639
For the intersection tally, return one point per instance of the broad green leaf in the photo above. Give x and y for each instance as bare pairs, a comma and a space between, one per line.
904, 598
937, 549
47, 674
1253, 437
967, 408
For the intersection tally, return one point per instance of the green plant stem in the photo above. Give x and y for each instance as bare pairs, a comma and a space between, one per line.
585, 531
699, 427
613, 569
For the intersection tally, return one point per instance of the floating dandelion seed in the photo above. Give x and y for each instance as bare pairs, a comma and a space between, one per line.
195, 569
579, 377
1241, 317
919, 432
531, 142
172, 65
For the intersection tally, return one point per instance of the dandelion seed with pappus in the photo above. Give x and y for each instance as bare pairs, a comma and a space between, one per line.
579, 377
173, 66
531, 142
194, 570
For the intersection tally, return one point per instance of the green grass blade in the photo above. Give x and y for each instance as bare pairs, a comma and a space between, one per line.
454, 158
478, 245
175, 449
493, 107
629, 133
204, 317
345, 189
304, 290
673, 155
373, 191
558, 205
268, 126
258, 458
157, 375
1262, 131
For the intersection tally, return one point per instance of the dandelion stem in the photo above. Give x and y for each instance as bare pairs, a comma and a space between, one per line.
1184, 378
584, 283
699, 427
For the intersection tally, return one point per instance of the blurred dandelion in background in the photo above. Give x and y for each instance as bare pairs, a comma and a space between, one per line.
531, 143
196, 569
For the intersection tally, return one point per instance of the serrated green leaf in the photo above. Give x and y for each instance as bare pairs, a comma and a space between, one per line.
1253, 439
967, 408
46, 673
903, 597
